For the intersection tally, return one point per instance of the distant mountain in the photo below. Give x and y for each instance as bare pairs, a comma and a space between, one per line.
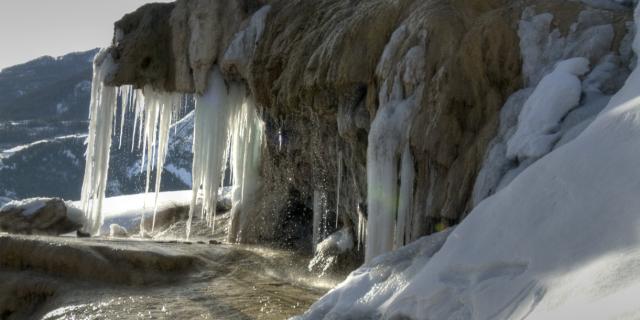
47, 88
44, 107
45, 98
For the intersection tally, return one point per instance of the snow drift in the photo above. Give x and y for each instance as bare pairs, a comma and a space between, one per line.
559, 242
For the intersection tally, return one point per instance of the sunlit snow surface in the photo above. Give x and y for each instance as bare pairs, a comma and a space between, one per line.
560, 242
28, 206
128, 210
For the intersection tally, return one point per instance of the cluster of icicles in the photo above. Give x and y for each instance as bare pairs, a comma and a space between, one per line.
227, 126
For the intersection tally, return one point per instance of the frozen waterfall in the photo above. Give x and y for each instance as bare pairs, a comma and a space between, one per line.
154, 112
227, 128
247, 131
211, 143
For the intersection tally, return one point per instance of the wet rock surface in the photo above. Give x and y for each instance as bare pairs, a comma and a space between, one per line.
42, 277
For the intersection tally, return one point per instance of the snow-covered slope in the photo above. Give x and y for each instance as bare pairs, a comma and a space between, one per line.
559, 242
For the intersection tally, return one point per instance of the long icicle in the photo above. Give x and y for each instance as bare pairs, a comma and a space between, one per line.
246, 149
102, 111
338, 184
210, 143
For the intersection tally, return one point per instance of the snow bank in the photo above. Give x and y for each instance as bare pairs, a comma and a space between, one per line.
128, 210
373, 283
559, 242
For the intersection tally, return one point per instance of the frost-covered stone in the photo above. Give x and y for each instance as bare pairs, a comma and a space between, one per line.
543, 43
366, 288
538, 122
238, 55
333, 252
44, 216
118, 231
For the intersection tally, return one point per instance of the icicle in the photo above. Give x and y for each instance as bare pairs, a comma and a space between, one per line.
387, 138
338, 184
211, 141
101, 115
167, 104
318, 213
404, 219
139, 104
362, 226
155, 111
246, 148
126, 96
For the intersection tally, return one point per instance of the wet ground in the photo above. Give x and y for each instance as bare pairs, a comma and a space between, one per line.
162, 280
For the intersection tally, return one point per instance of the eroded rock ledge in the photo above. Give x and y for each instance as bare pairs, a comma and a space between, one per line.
113, 263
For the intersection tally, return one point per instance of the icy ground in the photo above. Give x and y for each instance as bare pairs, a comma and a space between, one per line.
71, 278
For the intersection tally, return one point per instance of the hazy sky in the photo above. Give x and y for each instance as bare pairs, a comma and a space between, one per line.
33, 28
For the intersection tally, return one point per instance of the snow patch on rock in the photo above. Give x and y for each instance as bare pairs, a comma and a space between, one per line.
28, 207
538, 122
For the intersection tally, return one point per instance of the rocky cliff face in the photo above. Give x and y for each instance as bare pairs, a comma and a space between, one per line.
322, 71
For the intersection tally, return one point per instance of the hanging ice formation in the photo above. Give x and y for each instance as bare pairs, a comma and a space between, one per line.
227, 126
246, 149
338, 184
154, 112
156, 116
387, 141
390, 171
102, 111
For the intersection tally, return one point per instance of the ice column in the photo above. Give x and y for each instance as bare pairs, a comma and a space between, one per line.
154, 112
404, 220
102, 111
211, 139
246, 149
160, 108
390, 172
338, 184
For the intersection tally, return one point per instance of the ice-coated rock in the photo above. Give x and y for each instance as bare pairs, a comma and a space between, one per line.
334, 252
118, 231
46, 216
359, 296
